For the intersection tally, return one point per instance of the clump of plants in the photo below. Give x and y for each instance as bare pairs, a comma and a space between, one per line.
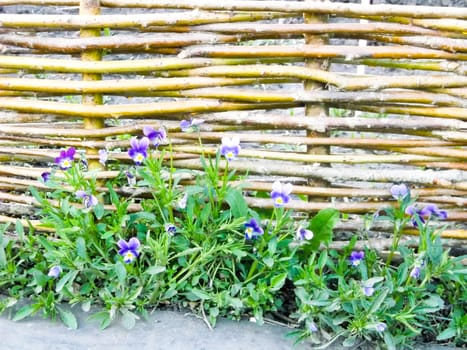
190, 239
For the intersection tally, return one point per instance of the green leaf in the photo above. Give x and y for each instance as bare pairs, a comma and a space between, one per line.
268, 261
389, 340
446, 334
128, 319
155, 270
81, 248
237, 203
322, 225
2, 257
19, 230
378, 301
99, 211
120, 271
277, 282
68, 318
197, 294
70, 276
86, 306
25, 311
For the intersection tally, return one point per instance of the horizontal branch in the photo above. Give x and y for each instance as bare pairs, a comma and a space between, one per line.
317, 158
112, 43
288, 7
343, 82
316, 28
116, 21
430, 65
257, 96
454, 179
349, 53
121, 66
119, 86
295, 6
140, 110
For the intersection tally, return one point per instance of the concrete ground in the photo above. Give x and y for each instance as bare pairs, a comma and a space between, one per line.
164, 330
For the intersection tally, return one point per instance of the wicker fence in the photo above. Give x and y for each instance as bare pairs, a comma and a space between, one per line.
342, 99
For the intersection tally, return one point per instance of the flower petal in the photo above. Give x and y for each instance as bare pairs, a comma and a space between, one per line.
133, 243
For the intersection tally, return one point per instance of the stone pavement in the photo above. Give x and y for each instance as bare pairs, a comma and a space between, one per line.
164, 330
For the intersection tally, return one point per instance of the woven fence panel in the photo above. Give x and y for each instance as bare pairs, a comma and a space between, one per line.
343, 100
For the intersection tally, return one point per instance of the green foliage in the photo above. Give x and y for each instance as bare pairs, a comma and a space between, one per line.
194, 250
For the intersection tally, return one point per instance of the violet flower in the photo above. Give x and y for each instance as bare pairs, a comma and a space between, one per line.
381, 327
415, 273
304, 234
139, 149
312, 327
155, 136
367, 288
399, 192
281, 193
190, 125
425, 213
103, 156
253, 229
88, 199
170, 229
356, 257
182, 201
129, 250
45, 176
230, 147
55, 271
131, 178
65, 159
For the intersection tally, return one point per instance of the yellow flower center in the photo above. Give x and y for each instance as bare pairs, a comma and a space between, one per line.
139, 158
129, 256
279, 200
249, 230
66, 163
229, 155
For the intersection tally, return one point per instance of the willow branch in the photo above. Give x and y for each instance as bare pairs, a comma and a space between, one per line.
70, 22
320, 51
454, 179
141, 110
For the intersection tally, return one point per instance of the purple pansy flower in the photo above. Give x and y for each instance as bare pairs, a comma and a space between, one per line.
45, 176
425, 213
281, 193
129, 250
155, 136
190, 125
230, 147
415, 273
131, 178
381, 327
54, 271
253, 229
65, 159
312, 327
399, 192
139, 149
103, 156
303, 234
182, 201
88, 199
356, 257
170, 229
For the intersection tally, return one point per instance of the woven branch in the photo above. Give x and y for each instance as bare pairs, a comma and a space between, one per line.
349, 53
454, 179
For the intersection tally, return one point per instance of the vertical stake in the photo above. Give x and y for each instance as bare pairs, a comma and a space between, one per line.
315, 110
91, 7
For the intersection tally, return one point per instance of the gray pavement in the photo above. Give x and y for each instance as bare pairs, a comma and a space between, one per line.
164, 330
